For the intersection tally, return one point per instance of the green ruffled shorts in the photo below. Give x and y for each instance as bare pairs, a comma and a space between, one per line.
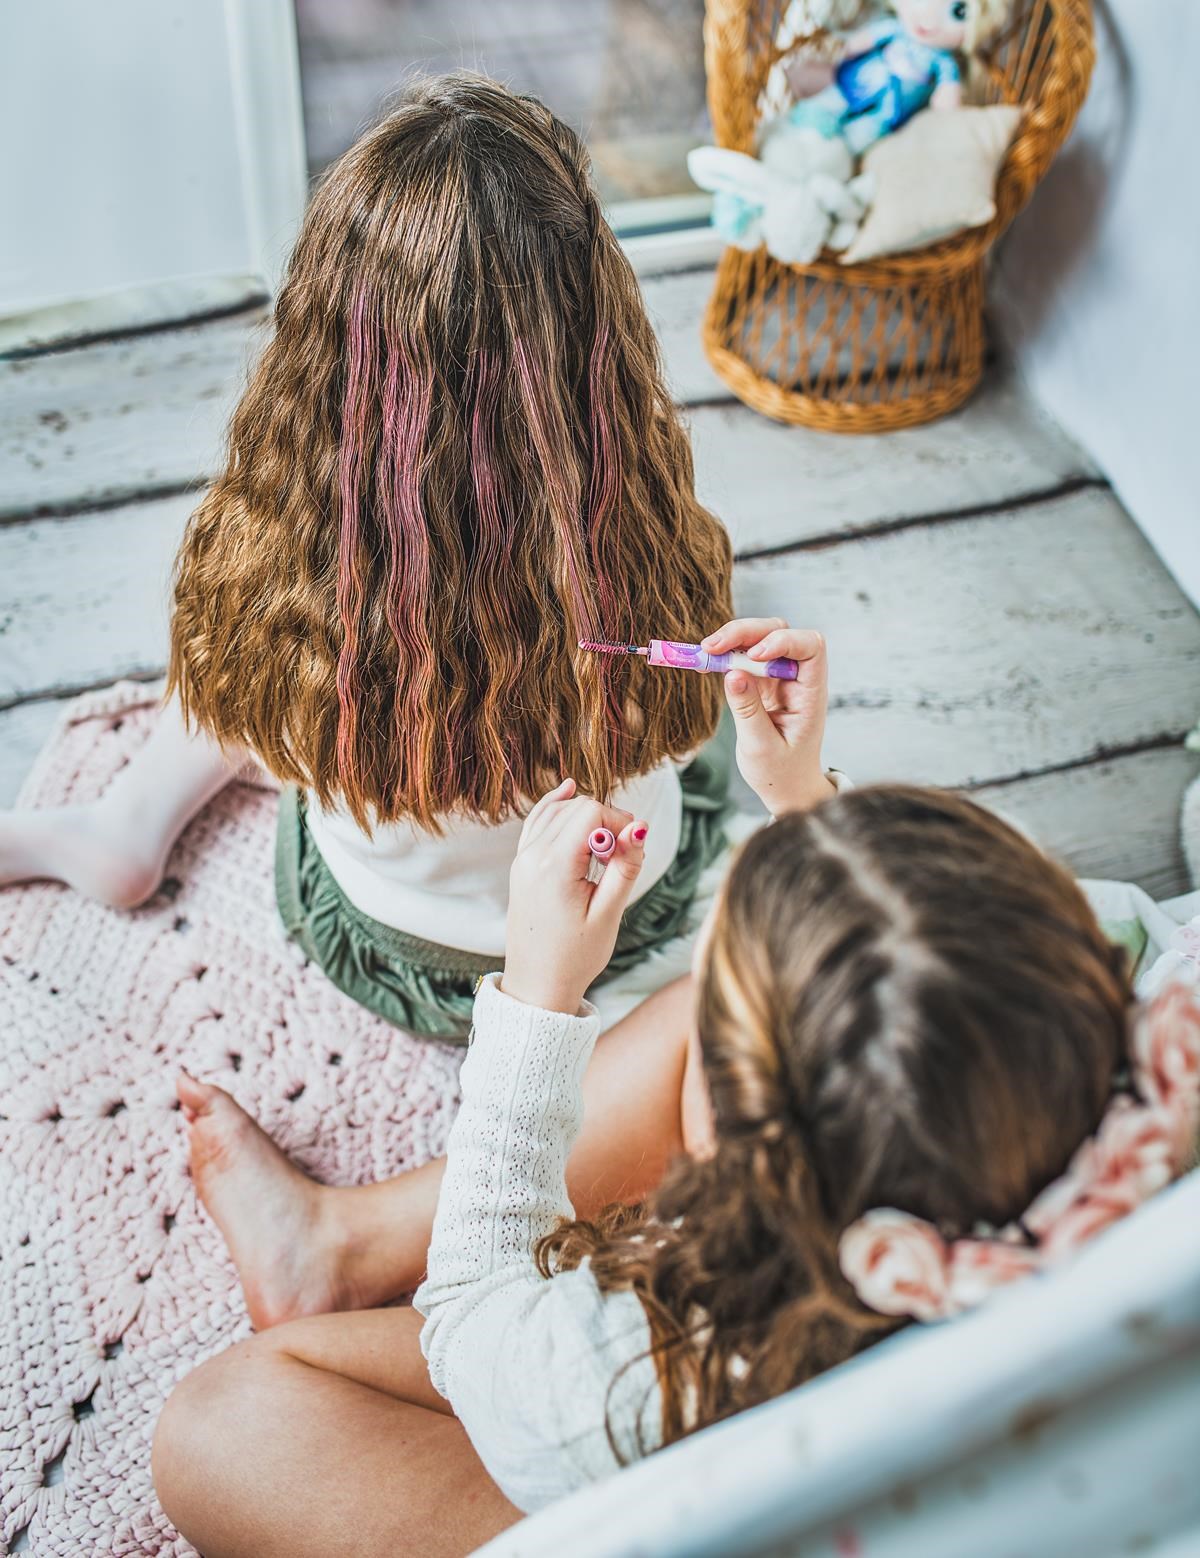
428, 989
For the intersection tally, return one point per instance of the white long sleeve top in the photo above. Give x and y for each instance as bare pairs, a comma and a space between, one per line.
551, 1378
539, 1371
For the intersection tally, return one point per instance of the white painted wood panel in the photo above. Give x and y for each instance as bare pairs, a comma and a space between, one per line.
109, 421
23, 732
84, 600
1117, 819
676, 304
163, 305
1113, 818
961, 652
992, 647
148, 413
774, 485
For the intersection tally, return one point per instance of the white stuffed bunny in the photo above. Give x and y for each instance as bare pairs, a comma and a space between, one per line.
797, 196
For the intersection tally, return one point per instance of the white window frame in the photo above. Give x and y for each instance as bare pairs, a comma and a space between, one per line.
660, 235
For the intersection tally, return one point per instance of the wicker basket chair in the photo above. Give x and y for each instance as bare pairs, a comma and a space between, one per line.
892, 342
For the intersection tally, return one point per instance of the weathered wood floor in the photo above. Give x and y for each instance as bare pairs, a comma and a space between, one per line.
995, 619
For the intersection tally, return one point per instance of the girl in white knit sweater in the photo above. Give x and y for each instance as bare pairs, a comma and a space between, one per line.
907, 1022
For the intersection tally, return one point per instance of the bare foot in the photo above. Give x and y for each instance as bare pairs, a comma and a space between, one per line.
291, 1257
83, 846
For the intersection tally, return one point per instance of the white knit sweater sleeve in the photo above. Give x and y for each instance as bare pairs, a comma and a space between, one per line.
539, 1371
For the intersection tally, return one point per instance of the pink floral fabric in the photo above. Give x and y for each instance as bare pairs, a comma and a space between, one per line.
900, 1265
1166, 1057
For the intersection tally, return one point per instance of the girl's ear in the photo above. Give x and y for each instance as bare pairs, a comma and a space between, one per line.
728, 172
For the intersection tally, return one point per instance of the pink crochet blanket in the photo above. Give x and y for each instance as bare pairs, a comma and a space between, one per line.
113, 1282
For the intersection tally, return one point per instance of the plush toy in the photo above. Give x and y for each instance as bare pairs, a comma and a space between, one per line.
894, 67
803, 21
797, 196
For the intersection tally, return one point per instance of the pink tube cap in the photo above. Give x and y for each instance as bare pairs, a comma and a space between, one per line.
602, 843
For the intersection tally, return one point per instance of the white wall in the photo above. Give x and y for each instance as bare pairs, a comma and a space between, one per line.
146, 143
1100, 280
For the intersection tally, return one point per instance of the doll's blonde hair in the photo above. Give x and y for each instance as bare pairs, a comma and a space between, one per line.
984, 21
457, 457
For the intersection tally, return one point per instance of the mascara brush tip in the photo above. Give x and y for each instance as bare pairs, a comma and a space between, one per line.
608, 649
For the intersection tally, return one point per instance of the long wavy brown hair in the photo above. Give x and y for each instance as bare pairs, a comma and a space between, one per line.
456, 457
903, 1003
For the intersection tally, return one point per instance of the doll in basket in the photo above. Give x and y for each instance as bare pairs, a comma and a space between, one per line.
896, 66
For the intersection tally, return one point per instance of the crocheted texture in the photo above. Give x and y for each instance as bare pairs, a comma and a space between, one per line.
113, 1281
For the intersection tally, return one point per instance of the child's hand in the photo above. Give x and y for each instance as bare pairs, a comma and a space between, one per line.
561, 927
780, 725
947, 97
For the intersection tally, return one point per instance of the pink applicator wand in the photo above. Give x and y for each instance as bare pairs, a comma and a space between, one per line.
691, 657
603, 844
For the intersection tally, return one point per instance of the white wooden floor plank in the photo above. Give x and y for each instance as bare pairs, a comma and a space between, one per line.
161, 305
774, 485
23, 732
961, 652
107, 422
676, 304
991, 647
84, 600
110, 421
1117, 819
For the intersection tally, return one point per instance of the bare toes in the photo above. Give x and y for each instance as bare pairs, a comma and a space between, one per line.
195, 1096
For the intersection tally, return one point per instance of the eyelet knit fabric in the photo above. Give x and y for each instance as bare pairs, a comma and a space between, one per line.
113, 1281
552, 1380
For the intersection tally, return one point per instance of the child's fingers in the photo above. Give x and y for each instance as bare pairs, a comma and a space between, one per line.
740, 632
582, 817
789, 644
753, 726
535, 821
562, 791
622, 870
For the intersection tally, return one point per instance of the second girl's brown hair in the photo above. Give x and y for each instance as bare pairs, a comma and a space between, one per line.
456, 457
903, 1004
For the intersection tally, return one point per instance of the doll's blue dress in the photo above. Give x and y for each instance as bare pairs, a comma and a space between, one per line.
879, 90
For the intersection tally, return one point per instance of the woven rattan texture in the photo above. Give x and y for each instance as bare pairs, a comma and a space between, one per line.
898, 341
113, 1282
